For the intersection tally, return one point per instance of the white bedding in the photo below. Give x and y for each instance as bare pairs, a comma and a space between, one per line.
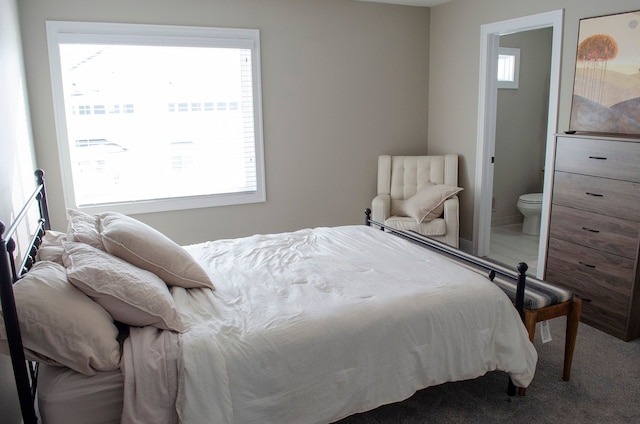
318, 324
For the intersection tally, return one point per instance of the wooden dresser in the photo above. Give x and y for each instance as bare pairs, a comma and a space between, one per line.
594, 237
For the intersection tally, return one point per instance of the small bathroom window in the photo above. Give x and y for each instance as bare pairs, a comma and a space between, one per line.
508, 67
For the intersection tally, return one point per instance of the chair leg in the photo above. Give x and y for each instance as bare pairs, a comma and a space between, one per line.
573, 319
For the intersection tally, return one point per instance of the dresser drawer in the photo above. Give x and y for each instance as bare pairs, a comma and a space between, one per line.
612, 235
592, 268
602, 309
603, 158
599, 195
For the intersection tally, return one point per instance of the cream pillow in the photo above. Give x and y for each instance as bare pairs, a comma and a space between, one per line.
428, 203
51, 248
131, 295
147, 248
60, 324
83, 228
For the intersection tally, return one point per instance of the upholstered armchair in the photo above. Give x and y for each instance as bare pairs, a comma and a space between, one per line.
419, 193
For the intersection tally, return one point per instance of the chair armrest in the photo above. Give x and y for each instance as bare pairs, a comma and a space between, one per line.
452, 221
381, 208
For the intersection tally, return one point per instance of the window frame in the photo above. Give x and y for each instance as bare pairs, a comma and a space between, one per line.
154, 35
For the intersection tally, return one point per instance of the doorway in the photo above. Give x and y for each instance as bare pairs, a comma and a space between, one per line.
487, 114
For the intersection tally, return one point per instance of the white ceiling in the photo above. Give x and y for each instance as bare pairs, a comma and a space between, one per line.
422, 3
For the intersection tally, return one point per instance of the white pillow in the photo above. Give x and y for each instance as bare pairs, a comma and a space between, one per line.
428, 202
147, 248
59, 324
51, 248
83, 228
131, 295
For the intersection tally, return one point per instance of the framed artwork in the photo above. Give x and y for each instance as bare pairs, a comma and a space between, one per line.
606, 90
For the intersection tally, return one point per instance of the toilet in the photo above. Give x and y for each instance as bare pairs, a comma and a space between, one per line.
530, 205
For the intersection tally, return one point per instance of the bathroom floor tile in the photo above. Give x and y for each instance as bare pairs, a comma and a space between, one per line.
510, 246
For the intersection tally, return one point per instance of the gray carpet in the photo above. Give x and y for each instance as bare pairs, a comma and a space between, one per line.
604, 388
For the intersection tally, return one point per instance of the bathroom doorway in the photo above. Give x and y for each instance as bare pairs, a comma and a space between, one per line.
494, 129
520, 145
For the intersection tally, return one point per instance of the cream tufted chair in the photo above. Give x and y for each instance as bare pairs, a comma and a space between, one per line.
400, 177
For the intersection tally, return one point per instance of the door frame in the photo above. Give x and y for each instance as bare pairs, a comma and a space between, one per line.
487, 101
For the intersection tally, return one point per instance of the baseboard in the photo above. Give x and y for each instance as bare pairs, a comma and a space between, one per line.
506, 220
465, 245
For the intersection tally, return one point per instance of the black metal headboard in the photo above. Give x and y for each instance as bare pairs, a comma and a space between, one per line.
12, 268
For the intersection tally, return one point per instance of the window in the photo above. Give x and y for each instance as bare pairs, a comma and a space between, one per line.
139, 140
508, 67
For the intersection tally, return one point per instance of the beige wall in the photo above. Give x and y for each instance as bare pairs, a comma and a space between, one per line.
343, 82
454, 73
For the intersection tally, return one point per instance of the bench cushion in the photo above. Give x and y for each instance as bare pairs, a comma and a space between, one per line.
537, 293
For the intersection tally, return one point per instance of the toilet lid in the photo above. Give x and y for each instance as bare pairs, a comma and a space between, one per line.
531, 198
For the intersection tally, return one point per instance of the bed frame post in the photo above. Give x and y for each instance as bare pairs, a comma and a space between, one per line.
522, 280
14, 338
42, 199
367, 217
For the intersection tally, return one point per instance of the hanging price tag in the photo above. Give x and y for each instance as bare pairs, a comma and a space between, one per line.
545, 331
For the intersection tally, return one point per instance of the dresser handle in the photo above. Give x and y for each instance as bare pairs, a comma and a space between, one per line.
594, 194
586, 264
591, 230
597, 157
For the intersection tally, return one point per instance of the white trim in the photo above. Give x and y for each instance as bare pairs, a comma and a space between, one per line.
487, 99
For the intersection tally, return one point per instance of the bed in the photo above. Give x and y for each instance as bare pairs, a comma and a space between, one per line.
308, 326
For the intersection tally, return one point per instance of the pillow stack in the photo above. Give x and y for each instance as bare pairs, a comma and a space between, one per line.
107, 267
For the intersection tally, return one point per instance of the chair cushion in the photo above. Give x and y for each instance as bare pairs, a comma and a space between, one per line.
537, 294
427, 203
436, 227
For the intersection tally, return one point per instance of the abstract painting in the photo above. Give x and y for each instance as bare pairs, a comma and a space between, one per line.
606, 91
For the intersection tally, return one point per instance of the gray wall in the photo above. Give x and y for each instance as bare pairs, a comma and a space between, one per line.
454, 46
521, 125
16, 163
343, 82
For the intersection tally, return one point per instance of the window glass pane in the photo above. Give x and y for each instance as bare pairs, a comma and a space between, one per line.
508, 67
506, 70
139, 133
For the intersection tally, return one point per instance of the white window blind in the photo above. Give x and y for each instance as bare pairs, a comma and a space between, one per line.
156, 118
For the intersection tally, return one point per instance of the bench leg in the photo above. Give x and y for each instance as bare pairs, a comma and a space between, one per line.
530, 320
573, 319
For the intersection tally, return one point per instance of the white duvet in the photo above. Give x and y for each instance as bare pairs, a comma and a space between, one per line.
315, 325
